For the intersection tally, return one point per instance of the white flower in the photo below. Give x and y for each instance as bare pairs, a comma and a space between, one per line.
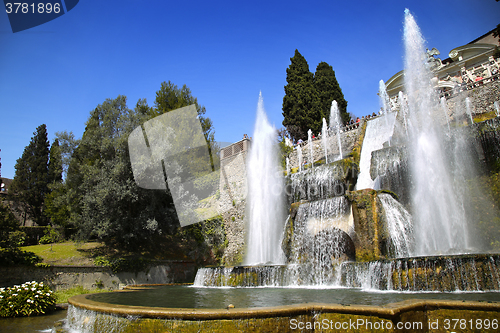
1, 296
14, 294
33, 289
47, 294
36, 296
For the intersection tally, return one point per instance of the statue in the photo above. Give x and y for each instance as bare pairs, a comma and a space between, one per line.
433, 62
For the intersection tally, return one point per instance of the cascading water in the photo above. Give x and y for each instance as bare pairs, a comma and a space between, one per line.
438, 223
497, 108
265, 194
335, 121
378, 131
324, 136
399, 227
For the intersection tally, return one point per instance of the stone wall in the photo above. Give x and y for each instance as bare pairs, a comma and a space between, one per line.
92, 277
232, 203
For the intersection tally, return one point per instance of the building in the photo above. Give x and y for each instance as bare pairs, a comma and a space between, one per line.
468, 66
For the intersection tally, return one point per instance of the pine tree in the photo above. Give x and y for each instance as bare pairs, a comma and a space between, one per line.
30, 184
328, 90
300, 105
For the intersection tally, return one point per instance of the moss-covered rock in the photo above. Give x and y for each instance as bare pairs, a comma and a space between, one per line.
367, 225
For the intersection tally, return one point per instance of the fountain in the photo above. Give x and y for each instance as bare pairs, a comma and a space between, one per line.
444, 107
310, 144
324, 137
339, 247
335, 121
265, 188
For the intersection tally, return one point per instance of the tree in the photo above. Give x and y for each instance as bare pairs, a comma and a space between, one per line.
30, 184
104, 201
55, 167
308, 98
328, 90
8, 226
301, 110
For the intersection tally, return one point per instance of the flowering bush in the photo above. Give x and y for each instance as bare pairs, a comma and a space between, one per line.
30, 298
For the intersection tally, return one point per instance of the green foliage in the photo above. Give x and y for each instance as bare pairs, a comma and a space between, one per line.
13, 257
328, 90
30, 184
123, 264
51, 235
308, 97
57, 207
8, 225
55, 167
62, 296
30, 298
301, 110
17, 238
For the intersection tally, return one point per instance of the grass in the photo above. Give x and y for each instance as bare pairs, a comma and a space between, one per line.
62, 296
67, 253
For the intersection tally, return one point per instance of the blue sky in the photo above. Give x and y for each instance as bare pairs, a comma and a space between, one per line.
226, 52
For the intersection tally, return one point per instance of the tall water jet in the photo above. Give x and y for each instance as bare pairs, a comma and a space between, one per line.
438, 224
468, 110
310, 144
335, 121
324, 137
403, 104
265, 200
444, 107
385, 101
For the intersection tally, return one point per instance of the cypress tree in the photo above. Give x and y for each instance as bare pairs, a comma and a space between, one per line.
300, 104
55, 163
31, 179
328, 90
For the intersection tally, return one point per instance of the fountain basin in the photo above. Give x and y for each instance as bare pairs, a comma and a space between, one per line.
87, 314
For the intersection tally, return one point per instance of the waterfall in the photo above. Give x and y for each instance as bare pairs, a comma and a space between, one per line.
378, 131
399, 226
265, 204
321, 238
496, 104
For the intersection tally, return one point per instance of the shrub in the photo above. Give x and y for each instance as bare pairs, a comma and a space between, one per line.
51, 235
30, 298
12, 257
